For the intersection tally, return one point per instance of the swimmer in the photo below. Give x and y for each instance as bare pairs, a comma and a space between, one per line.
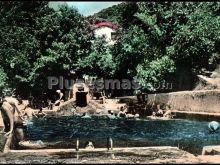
89, 145
213, 126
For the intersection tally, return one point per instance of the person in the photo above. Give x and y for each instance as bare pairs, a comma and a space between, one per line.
103, 98
122, 112
159, 111
89, 145
12, 121
8, 117
17, 104
154, 114
57, 103
50, 104
40, 113
168, 114
213, 126
138, 95
28, 113
111, 114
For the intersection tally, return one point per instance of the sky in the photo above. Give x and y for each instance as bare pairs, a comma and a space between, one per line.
89, 8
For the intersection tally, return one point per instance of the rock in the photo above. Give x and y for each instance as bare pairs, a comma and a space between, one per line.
111, 116
136, 115
86, 116
129, 115
32, 144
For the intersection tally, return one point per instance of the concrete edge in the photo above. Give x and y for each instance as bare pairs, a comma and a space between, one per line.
73, 150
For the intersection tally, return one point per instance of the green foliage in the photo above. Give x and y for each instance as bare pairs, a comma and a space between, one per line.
186, 34
37, 42
3, 80
195, 41
66, 39
157, 39
121, 14
99, 61
153, 72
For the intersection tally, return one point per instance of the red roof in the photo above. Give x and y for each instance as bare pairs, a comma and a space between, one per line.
106, 24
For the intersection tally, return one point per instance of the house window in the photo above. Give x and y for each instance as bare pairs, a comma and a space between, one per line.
113, 35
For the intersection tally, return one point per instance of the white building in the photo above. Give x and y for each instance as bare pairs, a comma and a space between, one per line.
107, 30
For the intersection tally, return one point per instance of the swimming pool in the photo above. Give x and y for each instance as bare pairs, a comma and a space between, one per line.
62, 132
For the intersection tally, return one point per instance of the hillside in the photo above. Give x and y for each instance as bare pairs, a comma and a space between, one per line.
121, 14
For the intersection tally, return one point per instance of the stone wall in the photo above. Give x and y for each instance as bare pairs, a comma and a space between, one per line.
1, 121
196, 101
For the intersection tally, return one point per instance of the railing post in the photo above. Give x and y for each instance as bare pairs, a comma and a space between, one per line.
77, 148
77, 144
109, 143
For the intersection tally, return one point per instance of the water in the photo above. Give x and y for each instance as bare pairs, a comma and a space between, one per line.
189, 135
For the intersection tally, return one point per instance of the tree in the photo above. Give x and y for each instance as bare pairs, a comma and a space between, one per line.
38, 42
99, 61
19, 46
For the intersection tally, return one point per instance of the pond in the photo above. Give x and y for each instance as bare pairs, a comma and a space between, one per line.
189, 135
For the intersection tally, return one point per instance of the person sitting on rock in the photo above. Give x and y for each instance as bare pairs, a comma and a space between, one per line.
57, 103
168, 114
154, 114
103, 98
50, 104
122, 112
159, 111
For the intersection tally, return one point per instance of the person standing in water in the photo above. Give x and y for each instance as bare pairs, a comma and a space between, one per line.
7, 116
17, 104
13, 121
